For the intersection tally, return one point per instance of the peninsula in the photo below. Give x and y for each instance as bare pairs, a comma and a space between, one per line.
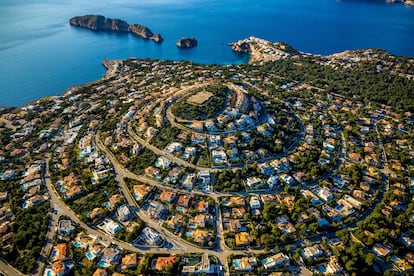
263, 50
101, 23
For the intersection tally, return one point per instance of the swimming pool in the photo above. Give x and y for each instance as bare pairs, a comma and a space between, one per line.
102, 264
53, 254
90, 255
339, 207
188, 234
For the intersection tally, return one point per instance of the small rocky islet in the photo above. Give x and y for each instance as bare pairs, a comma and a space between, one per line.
101, 23
187, 43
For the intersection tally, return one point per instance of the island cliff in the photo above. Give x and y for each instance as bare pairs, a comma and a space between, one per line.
100, 23
144, 32
186, 42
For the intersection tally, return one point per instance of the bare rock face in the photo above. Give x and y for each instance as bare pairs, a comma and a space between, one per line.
186, 42
100, 23
157, 38
144, 32
241, 47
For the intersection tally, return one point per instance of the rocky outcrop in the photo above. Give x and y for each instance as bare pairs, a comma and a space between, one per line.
100, 23
144, 32
263, 50
186, 42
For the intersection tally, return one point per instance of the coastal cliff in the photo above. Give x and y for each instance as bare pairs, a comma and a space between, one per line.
144, 32
263, 50
101, 23
186, 43
406, 2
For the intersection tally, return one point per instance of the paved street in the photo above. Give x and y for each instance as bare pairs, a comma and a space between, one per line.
174, 244
7, 269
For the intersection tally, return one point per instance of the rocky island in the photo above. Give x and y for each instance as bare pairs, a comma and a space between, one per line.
187, 42
101, 23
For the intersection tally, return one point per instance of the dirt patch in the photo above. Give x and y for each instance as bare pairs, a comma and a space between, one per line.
200, 98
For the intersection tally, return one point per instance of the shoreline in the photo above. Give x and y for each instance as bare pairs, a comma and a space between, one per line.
253, 57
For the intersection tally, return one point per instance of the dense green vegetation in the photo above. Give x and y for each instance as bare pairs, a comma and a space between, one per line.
363, 82
138, 163
30, 227
208, 110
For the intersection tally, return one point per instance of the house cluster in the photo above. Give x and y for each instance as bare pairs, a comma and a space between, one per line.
252, 263
32, 183
70, 186
98, 163
120, 143
61, 262
94, 250
170, 173
241, 113
260, 49
187, 215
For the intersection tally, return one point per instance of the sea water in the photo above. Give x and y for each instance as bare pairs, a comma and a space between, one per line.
41, 54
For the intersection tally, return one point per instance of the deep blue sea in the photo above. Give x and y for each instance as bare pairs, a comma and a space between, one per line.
41, 54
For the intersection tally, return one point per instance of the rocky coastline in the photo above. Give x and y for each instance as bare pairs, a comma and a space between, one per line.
101, 23
262, 50
406, 2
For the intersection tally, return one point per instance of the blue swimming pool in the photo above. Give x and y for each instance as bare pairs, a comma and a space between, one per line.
102, 264
339, 207
90, 255
107, 205
53, 254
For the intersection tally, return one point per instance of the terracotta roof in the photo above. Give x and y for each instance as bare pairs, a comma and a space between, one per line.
184, 201
163, 262
129, 261
100, 272
61, 251
167, 196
